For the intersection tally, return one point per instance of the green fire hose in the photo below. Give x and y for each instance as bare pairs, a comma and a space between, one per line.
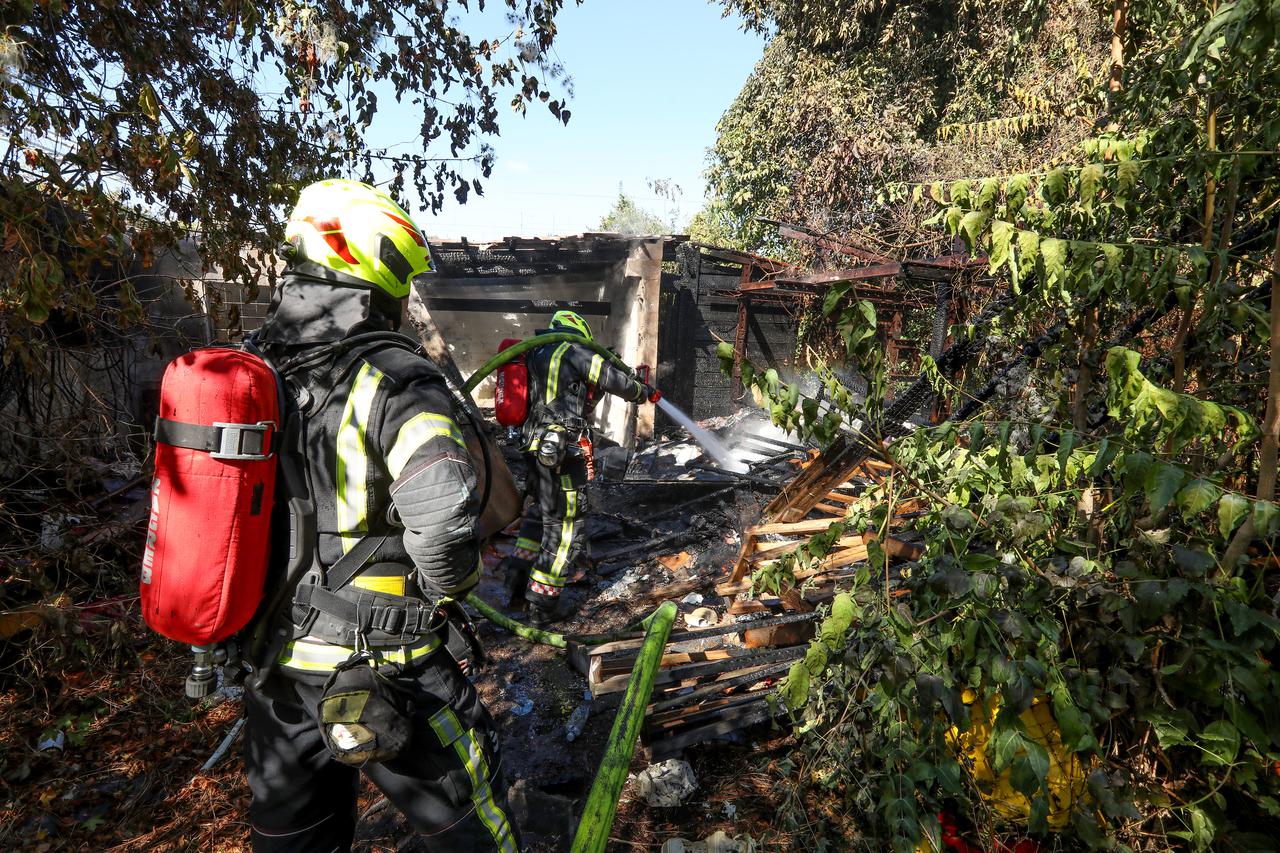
602, 802
550, 638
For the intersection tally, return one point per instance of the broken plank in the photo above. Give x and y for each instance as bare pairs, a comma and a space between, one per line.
843, 547
622, 662
717, 688
702, 670
742, 608
898, 549
678, 719
780, 635
816, 525
750, 715
703, 633
744, 554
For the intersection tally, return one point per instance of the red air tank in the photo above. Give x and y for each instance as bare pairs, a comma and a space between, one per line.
207, 536
511, 392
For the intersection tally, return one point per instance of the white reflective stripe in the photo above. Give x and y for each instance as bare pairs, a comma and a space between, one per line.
449, 730
544, 578
417, 431
446, 725
353, 463
566, 529
597, 364
553, 374
315, 655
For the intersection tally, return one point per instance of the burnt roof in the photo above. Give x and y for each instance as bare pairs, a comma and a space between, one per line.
528, 256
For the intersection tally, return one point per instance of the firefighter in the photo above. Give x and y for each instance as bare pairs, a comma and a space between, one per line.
566, 380
363, 683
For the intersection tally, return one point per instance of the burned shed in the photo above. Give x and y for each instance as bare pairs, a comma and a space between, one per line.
482, 294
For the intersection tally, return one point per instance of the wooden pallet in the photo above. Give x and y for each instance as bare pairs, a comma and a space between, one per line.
709, 692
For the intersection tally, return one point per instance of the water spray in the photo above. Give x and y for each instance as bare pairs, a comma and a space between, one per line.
714, 447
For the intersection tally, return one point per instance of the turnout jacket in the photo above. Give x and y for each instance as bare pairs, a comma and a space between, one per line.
566, 380
384, 456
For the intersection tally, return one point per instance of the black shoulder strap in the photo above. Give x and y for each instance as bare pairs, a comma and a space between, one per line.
349, 564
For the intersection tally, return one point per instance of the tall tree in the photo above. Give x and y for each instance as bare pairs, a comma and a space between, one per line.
129, 125
627, 217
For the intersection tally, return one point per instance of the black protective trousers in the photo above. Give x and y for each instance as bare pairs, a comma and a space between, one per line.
553, 527
447, 782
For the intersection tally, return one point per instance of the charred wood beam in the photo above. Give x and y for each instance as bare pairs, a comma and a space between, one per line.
732, 720
719, 688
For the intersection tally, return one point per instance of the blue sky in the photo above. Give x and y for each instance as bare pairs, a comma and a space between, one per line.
650, 80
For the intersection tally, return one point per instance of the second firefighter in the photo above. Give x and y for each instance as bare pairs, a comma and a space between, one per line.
566, 380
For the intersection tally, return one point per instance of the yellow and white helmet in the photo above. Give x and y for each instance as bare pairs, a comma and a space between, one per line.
357, 235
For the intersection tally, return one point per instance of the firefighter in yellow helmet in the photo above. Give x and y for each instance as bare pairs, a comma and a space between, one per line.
566, 380
360, 677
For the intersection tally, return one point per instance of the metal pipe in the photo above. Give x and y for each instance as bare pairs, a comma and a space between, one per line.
602, 803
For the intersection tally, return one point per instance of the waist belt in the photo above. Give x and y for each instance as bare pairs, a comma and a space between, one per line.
377, 618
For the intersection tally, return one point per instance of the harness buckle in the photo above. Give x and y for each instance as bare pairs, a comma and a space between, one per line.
243, 441
392, 620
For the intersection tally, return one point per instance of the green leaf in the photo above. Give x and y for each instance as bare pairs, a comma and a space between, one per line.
1112, 256
987, 195
1090, 178
1266, 517
1054, 186
832, 300
1015, 192
1075, 729
1006, 742
977, 430
1231, 511
795, 688
1201, 830
148, 103
972, 225
1193, 563
815, 659
1001, 237
1028, 248
1126, 178
1135, 467
1163, 482
1220, 741
843, 612
1053, 255
1197, 496
1171, 726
